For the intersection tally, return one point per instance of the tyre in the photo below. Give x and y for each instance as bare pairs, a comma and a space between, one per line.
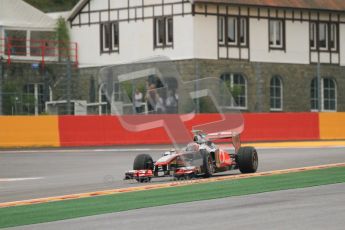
207, 162
143, 161
247, 159
144, 180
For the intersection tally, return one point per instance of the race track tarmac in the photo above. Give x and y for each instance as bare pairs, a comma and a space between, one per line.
321, 207
43, 173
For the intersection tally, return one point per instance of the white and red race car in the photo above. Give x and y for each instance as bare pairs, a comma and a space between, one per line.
200, 158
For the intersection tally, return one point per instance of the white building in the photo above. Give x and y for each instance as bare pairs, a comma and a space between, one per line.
118, 31
268, 48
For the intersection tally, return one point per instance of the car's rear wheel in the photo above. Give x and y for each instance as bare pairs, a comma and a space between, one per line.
208, 165
143, 162
247, 159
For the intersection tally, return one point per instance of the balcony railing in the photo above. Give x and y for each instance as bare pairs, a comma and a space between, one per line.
16, 49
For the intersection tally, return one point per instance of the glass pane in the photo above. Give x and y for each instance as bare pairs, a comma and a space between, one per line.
221, 21
314, 95
271, 32
106, 36
160, 31
323, 35
278, 32
42, 42
334, 35
115, 35
243, 31
232, 30
16, 41
312, 35
170, 30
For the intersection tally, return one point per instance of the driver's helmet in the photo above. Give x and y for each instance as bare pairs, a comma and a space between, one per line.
199, 138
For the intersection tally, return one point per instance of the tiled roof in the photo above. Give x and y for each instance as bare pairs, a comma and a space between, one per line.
332, 5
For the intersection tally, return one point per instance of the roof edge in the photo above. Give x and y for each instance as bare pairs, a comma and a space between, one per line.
268, 6
79, 6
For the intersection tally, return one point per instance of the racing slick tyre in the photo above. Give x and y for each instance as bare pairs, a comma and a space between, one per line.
247, 159
142, 162
207, 163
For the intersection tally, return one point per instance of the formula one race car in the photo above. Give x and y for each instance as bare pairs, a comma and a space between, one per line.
201, 158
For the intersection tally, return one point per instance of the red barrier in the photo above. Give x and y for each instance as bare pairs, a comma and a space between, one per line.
103, 130
108, 130
281, 127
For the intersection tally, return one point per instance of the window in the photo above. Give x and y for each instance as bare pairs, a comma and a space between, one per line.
324, 36
109, 37
16, 42
42, 40
276, 94
333, 36
243, 31
313, 36
276, 34
328, 95
164, 32
237, 85
169, 31
221, 30
314, 100
232, 31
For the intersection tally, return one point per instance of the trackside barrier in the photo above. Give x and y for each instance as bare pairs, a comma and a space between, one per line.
281, 127
107, 130
332, 126
29, 131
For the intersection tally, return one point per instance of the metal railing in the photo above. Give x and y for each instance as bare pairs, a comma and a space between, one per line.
38, 50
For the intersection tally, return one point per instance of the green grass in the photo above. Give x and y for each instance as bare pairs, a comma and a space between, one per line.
39, 213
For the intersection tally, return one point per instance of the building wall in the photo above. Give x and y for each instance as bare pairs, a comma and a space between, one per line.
297, 43
136, 26
136, 42
296, 79
196, 50
205, 37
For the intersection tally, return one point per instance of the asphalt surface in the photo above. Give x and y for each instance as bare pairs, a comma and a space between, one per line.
60, 172
321, 207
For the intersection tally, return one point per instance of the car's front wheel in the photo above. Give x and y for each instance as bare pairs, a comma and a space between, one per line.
143, 162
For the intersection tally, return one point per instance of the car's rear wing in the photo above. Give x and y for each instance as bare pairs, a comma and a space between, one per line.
235, 137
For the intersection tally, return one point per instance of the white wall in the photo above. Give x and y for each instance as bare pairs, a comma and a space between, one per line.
205, 37
297, 43
342, 44
136, 42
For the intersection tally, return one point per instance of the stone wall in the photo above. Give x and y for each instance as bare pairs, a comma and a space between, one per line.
296, 80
